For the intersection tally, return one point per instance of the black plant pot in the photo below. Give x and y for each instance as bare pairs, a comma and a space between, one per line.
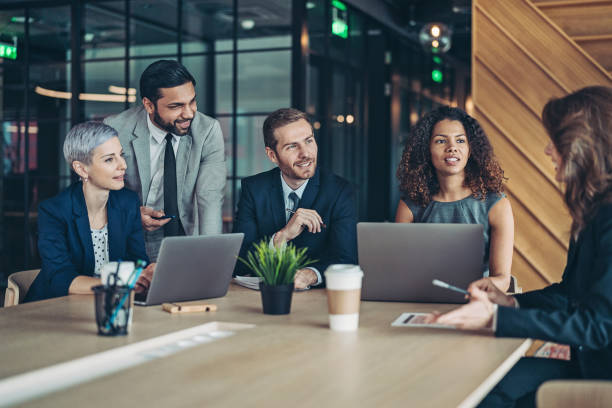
276, 300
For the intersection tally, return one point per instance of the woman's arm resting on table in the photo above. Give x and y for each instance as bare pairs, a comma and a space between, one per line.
81, 285
501, 244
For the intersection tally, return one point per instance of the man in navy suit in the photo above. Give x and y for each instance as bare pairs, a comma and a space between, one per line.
297, 201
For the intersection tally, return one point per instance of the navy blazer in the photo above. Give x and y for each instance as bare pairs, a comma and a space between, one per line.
578, 310
64, 238
261, 213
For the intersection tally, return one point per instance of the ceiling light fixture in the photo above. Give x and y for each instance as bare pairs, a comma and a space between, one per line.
247, 24
435, 31
119, 90
435, 37
84, 96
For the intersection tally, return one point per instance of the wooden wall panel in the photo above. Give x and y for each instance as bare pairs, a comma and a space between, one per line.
580, 18
599, 48
527, 278
522, 58
507, 58
547, 256
553, 49
526, 134
527, 184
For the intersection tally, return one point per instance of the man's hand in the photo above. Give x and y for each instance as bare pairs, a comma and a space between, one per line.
492, 291
302, 218
144, 280
304, 278
476, 315
150, 224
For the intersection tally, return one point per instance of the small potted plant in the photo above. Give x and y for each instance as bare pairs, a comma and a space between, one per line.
276, 267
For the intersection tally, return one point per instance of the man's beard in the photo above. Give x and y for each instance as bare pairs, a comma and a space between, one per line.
169, 127
291, 172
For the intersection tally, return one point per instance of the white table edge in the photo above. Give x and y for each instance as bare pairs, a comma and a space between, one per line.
487, 385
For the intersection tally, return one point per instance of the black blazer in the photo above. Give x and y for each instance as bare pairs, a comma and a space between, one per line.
64, 238
578, 310
261, 213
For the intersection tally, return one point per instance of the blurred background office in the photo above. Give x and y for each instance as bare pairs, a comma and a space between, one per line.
365, 70
356, 66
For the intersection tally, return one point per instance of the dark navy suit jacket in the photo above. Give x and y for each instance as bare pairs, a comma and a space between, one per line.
64, 238
578, 310
261, 213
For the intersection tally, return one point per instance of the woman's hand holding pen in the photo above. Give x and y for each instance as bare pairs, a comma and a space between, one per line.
494, 294
302, 218
478, 313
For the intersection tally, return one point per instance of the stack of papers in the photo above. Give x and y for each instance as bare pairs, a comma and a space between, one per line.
251, 282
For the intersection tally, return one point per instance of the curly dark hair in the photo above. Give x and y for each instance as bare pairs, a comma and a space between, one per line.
417, 175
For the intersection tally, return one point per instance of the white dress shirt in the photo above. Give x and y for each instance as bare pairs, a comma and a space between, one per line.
289, 205
157, 143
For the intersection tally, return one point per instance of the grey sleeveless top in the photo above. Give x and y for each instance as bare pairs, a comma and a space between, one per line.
466, 211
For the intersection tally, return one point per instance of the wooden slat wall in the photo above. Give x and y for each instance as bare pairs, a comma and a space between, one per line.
599, 47
588, 23
580, 17
522, 58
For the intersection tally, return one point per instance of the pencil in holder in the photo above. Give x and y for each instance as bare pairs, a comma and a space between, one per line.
114, 306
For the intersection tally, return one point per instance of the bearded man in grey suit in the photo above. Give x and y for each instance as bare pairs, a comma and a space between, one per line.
175, 157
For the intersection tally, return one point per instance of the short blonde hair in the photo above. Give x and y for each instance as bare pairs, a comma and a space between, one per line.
83, 138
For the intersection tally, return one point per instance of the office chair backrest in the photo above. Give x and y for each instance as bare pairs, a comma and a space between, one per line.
574, 393
18, 285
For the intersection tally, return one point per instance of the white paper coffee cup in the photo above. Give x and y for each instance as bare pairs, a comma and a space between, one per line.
343, 283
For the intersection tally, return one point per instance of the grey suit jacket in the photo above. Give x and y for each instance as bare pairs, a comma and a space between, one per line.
200, 169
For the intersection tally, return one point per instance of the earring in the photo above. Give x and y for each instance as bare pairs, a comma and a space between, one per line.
84, 179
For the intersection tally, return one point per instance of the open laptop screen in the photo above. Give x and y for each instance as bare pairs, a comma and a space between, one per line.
400, 261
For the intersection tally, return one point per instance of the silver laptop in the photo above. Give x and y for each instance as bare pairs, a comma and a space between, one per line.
193, 267
399, 261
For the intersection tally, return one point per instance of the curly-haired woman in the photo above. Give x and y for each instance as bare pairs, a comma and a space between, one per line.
448, 174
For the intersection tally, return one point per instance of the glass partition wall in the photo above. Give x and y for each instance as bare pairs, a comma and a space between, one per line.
81, 60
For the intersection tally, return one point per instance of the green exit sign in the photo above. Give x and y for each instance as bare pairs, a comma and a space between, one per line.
8, 51
339, 19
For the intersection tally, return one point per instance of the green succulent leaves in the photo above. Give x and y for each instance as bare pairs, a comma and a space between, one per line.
276, 266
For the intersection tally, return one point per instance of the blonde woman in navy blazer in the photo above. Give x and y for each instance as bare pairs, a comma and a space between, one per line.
98, 202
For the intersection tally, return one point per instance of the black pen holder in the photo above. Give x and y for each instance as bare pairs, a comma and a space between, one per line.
114, 305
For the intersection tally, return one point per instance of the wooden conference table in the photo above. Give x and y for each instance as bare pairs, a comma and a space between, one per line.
292, 360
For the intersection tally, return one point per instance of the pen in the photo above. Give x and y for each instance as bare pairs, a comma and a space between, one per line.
293, 212
131, 283
445, 285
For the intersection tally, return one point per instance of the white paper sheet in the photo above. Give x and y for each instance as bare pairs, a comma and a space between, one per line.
416, 320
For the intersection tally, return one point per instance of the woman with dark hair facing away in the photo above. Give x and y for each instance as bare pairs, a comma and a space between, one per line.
92, 222
578, 310
448, 174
